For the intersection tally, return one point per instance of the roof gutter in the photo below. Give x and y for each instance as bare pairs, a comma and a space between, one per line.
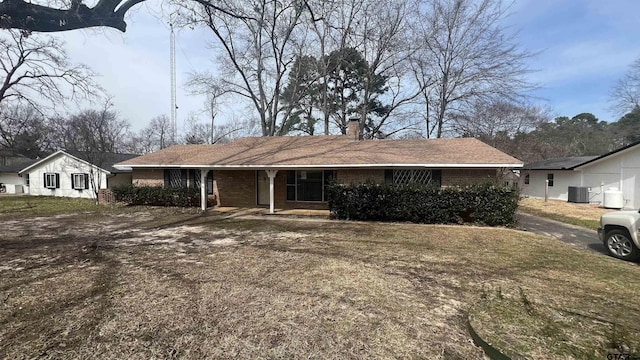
328, 166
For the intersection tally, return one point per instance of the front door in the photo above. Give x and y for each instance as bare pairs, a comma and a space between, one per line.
263, 188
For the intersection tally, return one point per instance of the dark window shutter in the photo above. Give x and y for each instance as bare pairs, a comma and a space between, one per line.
193, 174
44, 180
73, 183
57, 181
388, 176
436, 176
210, 182
86, 180
167, 178
183, 177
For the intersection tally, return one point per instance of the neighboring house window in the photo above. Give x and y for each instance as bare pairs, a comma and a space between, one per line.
308, 185
176, 178
550, 178
413, 176
52, 181
26, 179
79, 181
526, 179
195, 180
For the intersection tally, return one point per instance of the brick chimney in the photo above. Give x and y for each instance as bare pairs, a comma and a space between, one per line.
353, 131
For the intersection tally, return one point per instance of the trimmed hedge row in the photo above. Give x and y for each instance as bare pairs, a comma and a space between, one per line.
486, 204
156, 195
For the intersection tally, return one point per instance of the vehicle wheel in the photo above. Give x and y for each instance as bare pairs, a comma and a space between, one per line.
620, 245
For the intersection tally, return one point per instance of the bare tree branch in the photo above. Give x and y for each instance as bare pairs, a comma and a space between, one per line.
625, 95
23, 15
19, 14
37, 67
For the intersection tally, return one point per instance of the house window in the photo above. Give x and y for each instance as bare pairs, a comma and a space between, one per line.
550, 179
52, 181
195, 180
175, 178
526, 179
308, 185
79, 181
413, 176
26, 179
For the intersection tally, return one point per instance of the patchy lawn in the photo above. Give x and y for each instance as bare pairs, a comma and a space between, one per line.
584, 215
166, 283
32, 205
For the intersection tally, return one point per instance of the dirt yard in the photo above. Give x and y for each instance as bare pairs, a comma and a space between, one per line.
164, 283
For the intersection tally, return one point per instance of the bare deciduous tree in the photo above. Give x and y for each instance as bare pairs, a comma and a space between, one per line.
91, 131
383, 35
197, 132
155, 136
257, 49
36, 69
487, 120
468, 58
625, 96
360, 69
23, 129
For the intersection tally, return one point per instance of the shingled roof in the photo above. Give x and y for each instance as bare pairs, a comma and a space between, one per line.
565, 163
328, 151
107, 160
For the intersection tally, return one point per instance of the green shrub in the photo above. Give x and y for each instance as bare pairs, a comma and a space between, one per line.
156, 195
486, 204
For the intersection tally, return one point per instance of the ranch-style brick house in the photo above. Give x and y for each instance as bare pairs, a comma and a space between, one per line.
293, 171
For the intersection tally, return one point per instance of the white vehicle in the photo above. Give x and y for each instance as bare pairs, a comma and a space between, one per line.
619, 232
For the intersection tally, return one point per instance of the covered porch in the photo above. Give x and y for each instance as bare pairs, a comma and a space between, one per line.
273, 189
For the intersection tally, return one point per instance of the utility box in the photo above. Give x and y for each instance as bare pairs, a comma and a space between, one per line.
613, 199
578, 194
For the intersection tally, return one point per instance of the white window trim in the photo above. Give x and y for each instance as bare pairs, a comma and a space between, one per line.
50, 181
78, 185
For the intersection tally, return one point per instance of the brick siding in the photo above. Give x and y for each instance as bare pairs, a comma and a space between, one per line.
359, 176
236, 187
148, 177
467, 176
105, 196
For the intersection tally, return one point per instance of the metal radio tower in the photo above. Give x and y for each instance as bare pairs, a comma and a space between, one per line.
174, 107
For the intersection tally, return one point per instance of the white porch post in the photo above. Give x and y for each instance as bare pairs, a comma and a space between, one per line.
203, 189
271, 174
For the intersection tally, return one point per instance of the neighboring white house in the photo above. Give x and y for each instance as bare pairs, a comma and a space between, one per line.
75, 174
10, 164
611, 173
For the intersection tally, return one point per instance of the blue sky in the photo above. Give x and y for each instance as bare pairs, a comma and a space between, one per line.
583, 47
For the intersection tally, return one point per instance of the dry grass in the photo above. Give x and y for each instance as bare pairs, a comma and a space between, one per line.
160, 283
29, 205
585, 215
578, 211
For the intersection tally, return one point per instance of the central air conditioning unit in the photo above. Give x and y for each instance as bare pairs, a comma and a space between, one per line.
578, 194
